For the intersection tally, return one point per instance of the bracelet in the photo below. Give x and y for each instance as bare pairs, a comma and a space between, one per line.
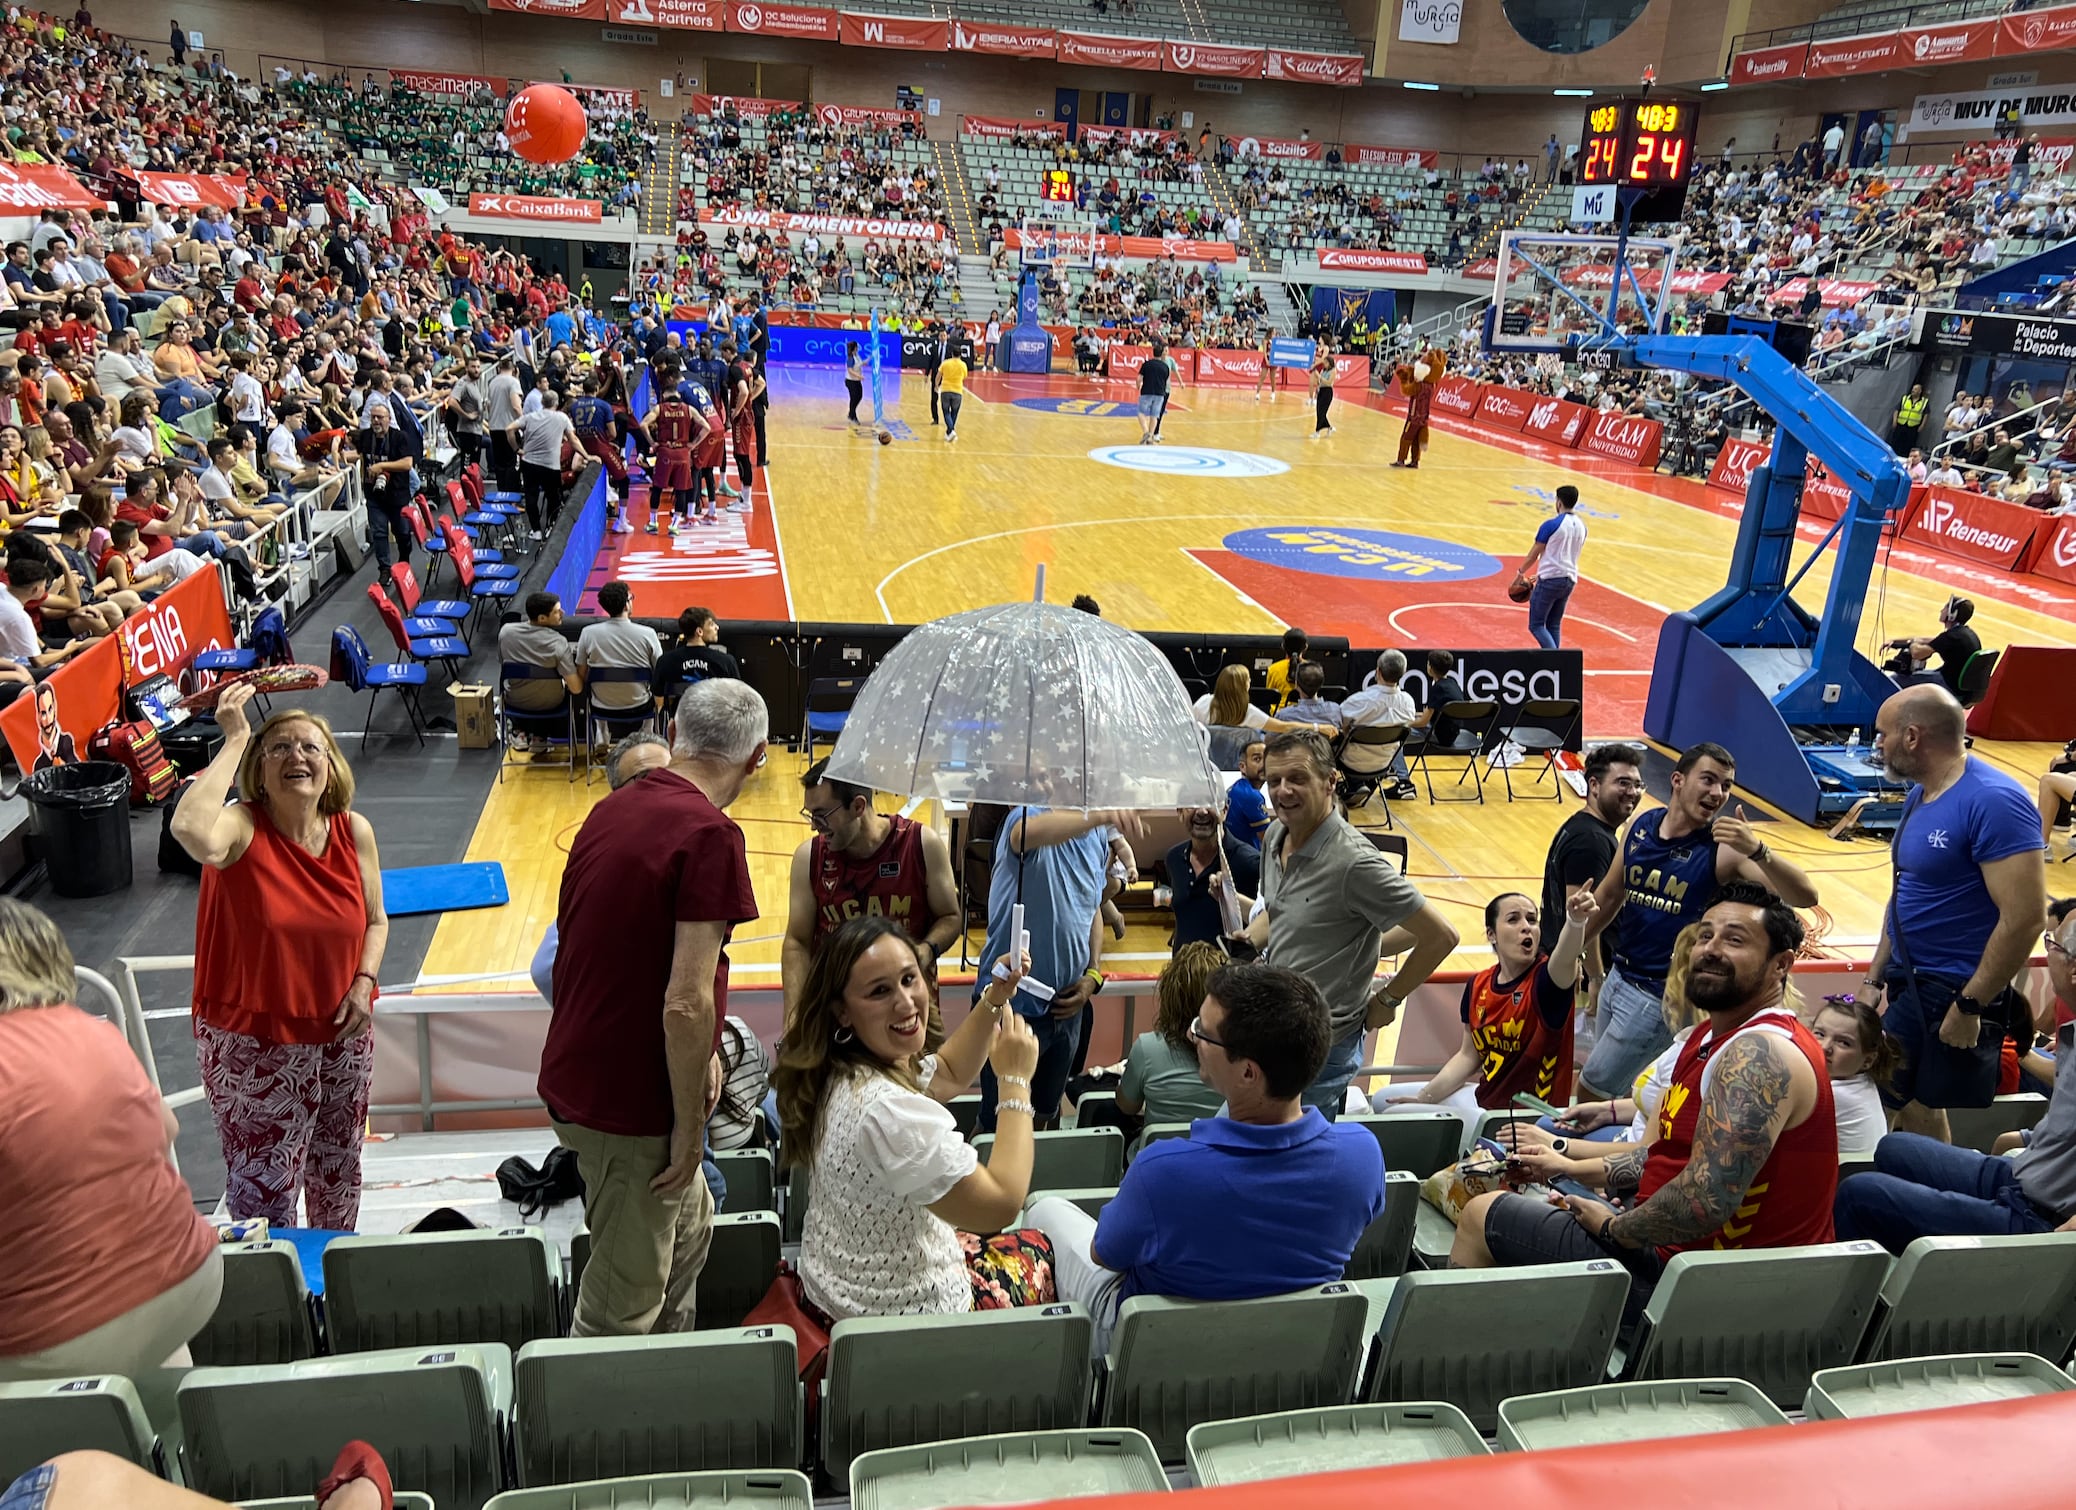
1013, 1080
364, 975
1762, 854
1017, 1106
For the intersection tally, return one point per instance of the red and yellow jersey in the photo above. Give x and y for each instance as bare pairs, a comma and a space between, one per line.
1523, 1032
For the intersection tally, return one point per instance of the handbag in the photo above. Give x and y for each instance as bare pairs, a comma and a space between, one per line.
1450, 1188
786, 1304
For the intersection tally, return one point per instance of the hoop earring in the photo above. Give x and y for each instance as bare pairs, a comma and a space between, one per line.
845, 1036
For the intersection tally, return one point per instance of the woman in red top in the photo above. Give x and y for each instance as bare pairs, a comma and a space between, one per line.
107, 1266
288, 939
1516, 1015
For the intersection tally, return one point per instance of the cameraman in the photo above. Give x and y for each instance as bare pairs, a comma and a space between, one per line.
1954, 644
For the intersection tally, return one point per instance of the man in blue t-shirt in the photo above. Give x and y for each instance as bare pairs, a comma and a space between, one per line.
1056, 865
1246, 807
1966, 909
1267, 1199
561, 329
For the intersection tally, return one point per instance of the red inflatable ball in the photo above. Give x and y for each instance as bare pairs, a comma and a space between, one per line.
545, 124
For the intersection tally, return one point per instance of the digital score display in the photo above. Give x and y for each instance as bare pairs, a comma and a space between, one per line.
1057, 186
1641, 144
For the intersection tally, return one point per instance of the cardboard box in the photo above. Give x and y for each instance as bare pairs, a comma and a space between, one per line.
474, 717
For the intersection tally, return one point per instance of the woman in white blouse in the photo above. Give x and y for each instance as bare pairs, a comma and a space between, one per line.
863, 1108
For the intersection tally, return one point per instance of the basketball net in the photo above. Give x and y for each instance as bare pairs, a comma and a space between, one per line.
1059, 243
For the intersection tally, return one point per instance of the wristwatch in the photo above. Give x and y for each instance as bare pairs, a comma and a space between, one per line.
1559, 1145
1968, 1005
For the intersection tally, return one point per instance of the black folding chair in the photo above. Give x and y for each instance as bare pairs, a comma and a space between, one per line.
558, 723
622, 720
1543, 726
1472, 725
1364, 762
829, 702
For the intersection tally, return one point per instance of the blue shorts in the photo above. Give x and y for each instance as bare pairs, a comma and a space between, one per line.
31, 1491
1151, 405
1934, 1074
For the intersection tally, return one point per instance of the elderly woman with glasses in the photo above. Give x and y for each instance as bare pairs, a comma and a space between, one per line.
288, 939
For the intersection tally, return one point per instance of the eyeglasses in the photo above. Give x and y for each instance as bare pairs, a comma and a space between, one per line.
820, 817
308, 749
2054, 943
1196, 1031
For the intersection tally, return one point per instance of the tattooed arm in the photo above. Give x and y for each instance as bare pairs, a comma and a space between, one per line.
1623, 1172
1750, 1098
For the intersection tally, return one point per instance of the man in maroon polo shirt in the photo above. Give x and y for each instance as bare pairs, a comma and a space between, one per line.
656, 881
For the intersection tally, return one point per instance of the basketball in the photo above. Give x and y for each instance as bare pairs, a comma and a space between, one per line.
545, 124
1519, 589
886, 437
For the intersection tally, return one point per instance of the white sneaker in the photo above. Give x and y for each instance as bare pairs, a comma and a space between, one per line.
741, 508
622, 527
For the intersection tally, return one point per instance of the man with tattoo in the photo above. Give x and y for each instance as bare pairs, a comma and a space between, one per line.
1746, 1146
1966, 909
1672, 865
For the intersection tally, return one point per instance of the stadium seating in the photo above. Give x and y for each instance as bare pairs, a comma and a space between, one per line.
747, 1172
1328, 1440
264, 1313
763, 1490
40, 1418
1978, 1295
426, 1289
1004, 1470
739, 1268
1880, 1389
1419, 1142
1632, 1413
1069, 1158
1387, 1242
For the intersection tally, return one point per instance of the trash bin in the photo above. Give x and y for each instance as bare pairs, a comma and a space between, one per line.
79, 826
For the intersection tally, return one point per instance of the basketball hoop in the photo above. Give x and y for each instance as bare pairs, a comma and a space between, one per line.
1058, 243
1558, 292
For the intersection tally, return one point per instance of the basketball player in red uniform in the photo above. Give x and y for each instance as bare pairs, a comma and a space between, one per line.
1516, 1015
743, 387
866, 864
1745, 1150
677, 429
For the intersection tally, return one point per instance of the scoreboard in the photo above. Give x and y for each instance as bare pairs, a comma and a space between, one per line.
1057, 186
1644, 144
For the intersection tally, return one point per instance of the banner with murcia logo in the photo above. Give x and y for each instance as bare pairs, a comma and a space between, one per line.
1430, 20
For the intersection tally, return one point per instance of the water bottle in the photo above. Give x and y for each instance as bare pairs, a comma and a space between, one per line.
1853, 745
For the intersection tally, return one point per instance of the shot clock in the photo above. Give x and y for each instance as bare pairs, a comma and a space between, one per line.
1643, 144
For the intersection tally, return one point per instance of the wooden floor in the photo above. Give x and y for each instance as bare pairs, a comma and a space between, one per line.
919, 528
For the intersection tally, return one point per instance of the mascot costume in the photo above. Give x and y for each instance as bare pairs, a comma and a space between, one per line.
1417, 382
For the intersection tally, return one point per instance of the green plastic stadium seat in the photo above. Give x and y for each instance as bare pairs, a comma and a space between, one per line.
784, 1489
1092, 1200
748, 1175
795, 1209
1978, 1127
1387, 1242
1978, 1295
608, 1407
404, 1501
1433, 1236
1022, 1467
1885, 1389
1153, 1132
417, 1290
264, 1314
1475, 1337
1773, 1316
896, 1381
40, 1418
1089, 1104
1327, 1441
1605, 1413
741, 1263
437, 1416
1175, 1364
1071, 1158
1419, 1142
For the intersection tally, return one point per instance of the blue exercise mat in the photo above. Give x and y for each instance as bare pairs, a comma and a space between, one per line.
444, 888
310, 1243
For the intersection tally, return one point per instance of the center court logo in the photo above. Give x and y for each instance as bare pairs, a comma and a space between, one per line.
1190, 461
1372, 555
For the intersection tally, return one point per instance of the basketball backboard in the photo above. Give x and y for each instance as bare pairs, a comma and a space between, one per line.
1555, 291
1057, 242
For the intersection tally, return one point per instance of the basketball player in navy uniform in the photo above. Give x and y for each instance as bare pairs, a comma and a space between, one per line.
866, 864
1671, 864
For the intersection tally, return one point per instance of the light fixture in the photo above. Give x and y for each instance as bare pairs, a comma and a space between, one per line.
1430, 88
1573, 94
1718, 85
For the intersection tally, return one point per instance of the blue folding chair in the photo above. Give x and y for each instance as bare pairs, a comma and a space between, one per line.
355, 667
617, 722
829, 700
556, 724
450, 650
406, 585
483, 590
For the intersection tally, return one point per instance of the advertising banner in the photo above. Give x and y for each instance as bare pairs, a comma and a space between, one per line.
2057, 558
746, 107
1626, 437
1002, 128
189, 189
1212, 61
535, 207
908, 33
30, 187
1836, 57
571, 10
860, 115
678, 15
1769, 65
1971, 525
812, 22
1358, 155
821, 225
1134, 136
448, 83
2036, 31
1217, 365
1558, 421
1735, 464
1355, 260
1100, 50
1276, 149
1457, 397
1344, 70
1505, 408
1003, 41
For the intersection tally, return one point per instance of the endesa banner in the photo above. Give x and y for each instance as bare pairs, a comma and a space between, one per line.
1003, 41
908, 33
1389, 157
822, 225
1101, 50
448, 83
1001, 128
1338, 68
535, 207
678, 15
1211, 61
1769, 65
38, 186
1735, 464
745, 107
1972, 526
759, 19
1625, 437
1357, 260
84, 695
1276, 149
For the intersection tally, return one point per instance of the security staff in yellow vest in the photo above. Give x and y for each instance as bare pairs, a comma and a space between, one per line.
1910, 418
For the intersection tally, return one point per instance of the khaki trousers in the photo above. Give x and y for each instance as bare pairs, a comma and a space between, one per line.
646, 1249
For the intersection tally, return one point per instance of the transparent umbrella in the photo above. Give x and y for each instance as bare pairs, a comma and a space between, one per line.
1027, 702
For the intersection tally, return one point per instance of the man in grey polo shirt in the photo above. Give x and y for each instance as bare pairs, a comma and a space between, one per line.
1333, 904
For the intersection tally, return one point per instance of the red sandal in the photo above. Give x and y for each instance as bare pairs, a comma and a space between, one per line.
357, 1460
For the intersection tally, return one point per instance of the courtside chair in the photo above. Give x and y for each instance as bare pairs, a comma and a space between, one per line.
430, 1289
1175, 1364
554, 725
1332, 1440
1885, 1389
741, 1263
1542, 726
489, 561
828, 707
405, 581
1774, 1316
437, 1415
355, 667
482, 589
430, 540
1474, 724
895, 1381
1605, 1413
40, 1418
472, 475
1069, 1158
266, 645
685, 1402
614, 722
1363, 760
450, 650
495, 515
264, 1314
1474, 1337
1978, 1295
458, 502
1021, 1468
747, 1172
